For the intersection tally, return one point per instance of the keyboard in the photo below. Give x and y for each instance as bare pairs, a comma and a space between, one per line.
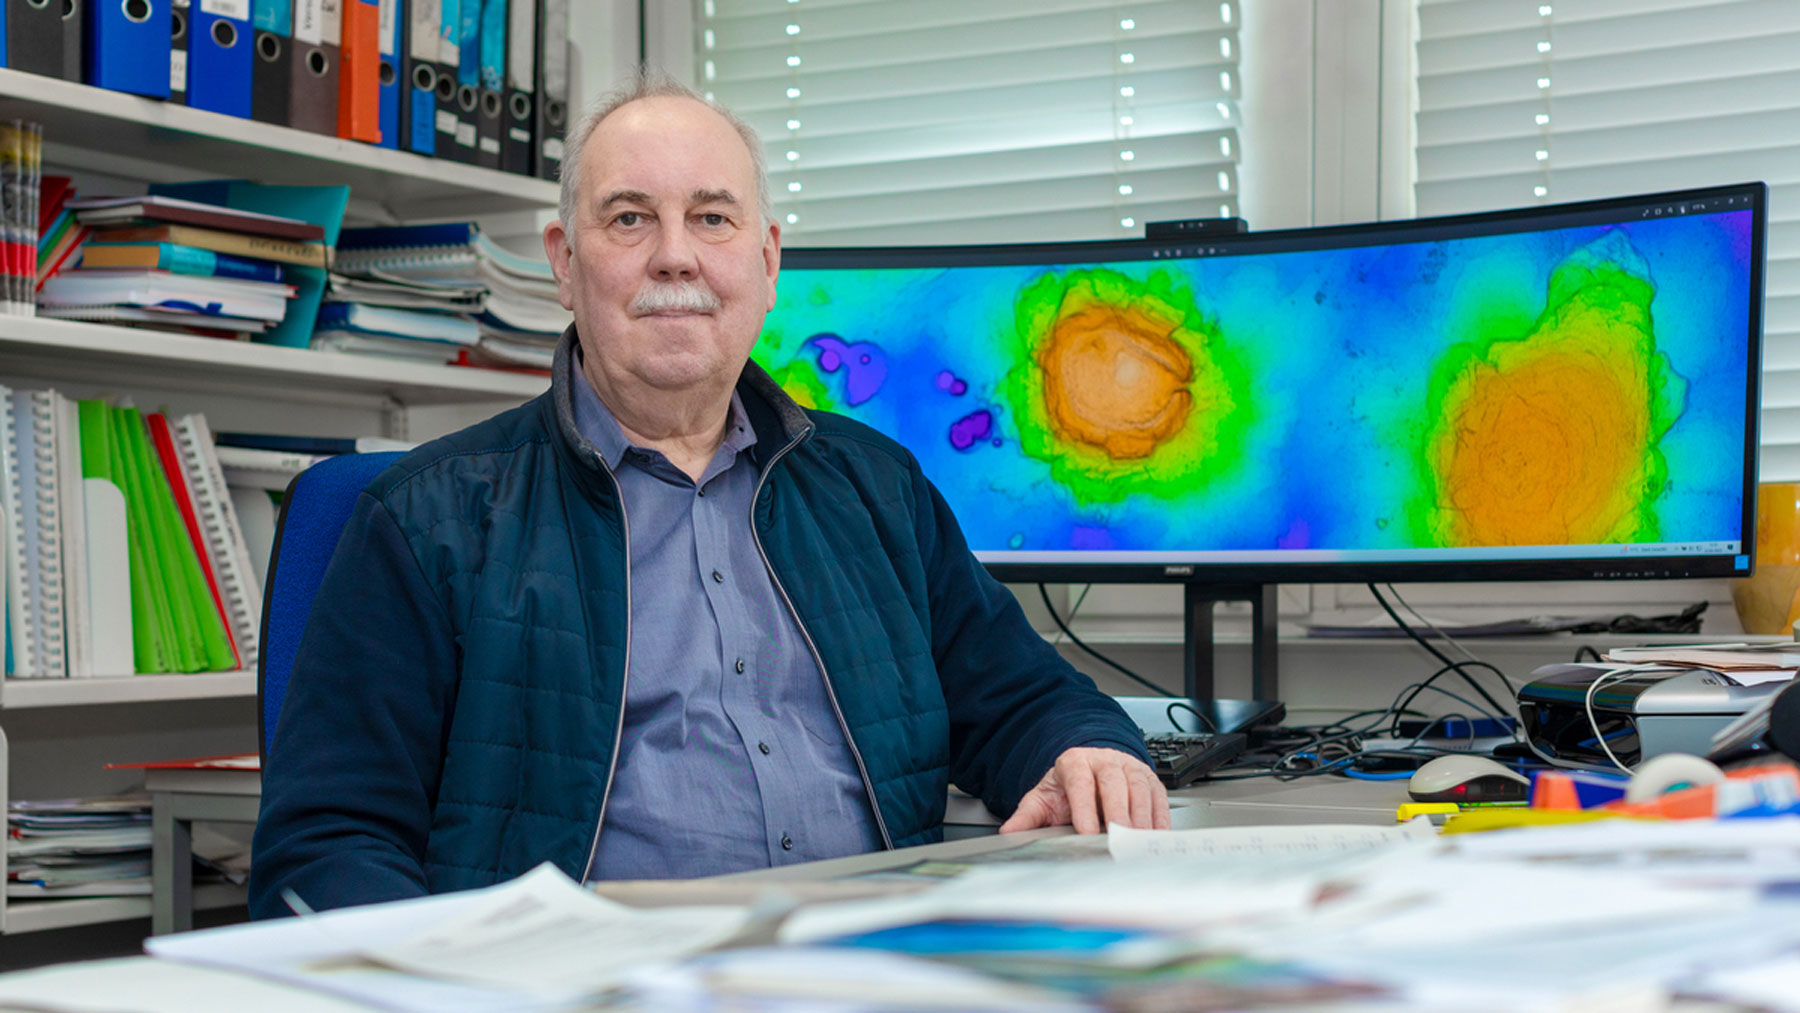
1181, 758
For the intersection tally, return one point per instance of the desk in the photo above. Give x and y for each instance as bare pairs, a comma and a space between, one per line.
156, 986
177, 799
1746, 946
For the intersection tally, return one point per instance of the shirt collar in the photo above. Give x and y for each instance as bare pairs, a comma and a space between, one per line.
596, 424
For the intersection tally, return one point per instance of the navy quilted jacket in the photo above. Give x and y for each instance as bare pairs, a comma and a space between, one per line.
454, 706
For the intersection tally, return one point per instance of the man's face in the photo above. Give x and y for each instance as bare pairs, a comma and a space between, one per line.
667, 266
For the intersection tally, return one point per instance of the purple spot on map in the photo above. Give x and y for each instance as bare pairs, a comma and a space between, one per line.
1090, 538
964, 432
864, 365
1299, 536
949, 384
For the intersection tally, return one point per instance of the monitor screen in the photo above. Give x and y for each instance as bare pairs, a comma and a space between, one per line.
1554, 392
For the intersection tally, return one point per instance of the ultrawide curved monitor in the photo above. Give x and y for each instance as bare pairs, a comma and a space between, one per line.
1549, 393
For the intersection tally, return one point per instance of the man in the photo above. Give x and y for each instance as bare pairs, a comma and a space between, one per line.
661, 621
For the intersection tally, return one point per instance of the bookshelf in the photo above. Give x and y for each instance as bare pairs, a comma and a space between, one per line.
87, 128
63, 350
56, 735
17, 694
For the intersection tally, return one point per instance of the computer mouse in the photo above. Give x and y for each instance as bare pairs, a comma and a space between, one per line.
1461, 777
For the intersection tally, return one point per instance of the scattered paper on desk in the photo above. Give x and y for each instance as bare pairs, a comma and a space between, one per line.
1152, 893
1323, 839
536, 943
831, 978
543, 934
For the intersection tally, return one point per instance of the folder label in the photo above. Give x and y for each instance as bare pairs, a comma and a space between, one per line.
309, 23
446, 121
450, 40
553, 148
178, 70
465, 134
422, 39
235, 9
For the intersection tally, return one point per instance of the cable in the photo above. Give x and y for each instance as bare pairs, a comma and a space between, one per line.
1433, 627
1363, 775
1169, 713
1616, 675
1511, 684
1429, 682
1044, 591
1456, 666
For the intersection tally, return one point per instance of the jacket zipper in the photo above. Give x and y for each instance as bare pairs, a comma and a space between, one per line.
612, 764
818, 659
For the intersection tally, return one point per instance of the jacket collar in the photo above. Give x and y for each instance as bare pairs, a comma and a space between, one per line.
777, 418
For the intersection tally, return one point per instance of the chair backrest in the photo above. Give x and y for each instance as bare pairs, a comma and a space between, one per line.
313, 513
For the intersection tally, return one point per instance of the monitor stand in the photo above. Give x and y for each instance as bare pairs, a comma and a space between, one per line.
1198, 661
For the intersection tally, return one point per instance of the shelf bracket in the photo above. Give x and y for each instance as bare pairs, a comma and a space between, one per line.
394, 418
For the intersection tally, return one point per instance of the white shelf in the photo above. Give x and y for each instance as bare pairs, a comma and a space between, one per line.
125, 135
18, 693
41, 915
41, 348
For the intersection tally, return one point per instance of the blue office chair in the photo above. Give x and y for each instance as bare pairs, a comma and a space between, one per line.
313, 514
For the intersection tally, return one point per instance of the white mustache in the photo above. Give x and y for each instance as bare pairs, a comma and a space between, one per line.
674, 297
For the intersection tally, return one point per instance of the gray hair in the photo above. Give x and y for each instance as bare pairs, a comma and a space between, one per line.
648, 83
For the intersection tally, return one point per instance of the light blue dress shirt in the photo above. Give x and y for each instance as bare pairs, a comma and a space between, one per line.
732, 756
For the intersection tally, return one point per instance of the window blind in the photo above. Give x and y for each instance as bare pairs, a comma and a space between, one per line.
1002, 121
1524, 101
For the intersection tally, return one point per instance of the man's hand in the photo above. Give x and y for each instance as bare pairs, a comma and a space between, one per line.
1090, 788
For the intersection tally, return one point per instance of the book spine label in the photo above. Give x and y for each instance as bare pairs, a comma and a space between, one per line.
190, 260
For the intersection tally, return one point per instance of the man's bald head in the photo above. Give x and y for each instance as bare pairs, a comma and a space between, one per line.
653, 84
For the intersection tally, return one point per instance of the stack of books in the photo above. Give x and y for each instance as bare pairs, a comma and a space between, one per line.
79, 847
123, 553
21, 172
441, 293
181, 265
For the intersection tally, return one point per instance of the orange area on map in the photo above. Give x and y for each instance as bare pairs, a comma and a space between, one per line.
1546, 440
1115, 378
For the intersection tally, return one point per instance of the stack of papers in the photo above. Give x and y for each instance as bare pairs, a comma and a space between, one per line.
517, 320
78, 847
1743, 664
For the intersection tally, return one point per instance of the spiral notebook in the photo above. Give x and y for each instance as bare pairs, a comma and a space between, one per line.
224, 538
34, 505
11, 504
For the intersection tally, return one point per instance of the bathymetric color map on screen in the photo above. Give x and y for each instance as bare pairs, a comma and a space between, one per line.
1552, 388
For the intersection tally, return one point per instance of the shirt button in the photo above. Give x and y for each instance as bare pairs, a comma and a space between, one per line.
703, 490
764, 746
740, 668
718, 578
787, 843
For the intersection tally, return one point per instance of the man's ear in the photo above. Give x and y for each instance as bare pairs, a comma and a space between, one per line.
561, 252
772, 260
